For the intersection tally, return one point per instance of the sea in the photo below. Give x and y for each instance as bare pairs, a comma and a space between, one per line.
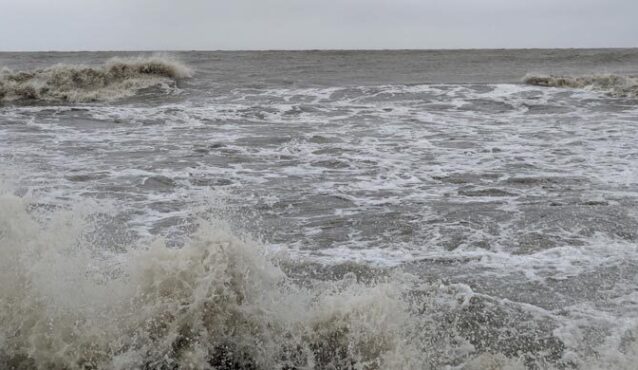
399, 209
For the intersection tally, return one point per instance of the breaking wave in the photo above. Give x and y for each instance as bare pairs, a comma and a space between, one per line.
614, 85
221, 302
218, 302
115, 79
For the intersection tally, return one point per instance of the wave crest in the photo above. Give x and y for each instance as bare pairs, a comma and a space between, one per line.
218, 302
614, 85
115, 79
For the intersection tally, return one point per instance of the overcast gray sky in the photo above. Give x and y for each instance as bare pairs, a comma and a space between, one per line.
315, 24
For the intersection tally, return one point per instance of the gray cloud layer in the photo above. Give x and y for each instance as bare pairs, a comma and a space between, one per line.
317, 24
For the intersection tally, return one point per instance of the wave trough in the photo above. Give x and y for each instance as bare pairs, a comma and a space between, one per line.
115, 79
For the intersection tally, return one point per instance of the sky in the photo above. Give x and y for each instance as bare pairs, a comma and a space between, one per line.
315, 24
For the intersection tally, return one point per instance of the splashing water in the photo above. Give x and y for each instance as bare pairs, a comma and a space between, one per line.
221, 302
218, 302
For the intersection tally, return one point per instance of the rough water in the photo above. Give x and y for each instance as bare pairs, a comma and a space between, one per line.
319, 210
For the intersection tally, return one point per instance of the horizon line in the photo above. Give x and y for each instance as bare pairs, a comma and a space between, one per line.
312, 49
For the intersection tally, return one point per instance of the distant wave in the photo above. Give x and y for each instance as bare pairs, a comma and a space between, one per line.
115, 79
614, 85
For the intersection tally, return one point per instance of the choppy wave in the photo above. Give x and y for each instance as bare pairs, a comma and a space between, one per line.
615, 85
221, 302
216, 303
117, 78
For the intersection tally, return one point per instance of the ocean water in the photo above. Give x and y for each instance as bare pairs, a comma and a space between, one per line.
319, 210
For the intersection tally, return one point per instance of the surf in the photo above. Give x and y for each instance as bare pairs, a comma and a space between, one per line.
217, 302
117, 78
223, 301
612, 84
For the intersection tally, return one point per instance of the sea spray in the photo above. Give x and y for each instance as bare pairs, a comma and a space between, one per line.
218, 302
222, 302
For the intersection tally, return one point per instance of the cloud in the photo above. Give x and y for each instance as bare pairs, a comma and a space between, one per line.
306, 24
